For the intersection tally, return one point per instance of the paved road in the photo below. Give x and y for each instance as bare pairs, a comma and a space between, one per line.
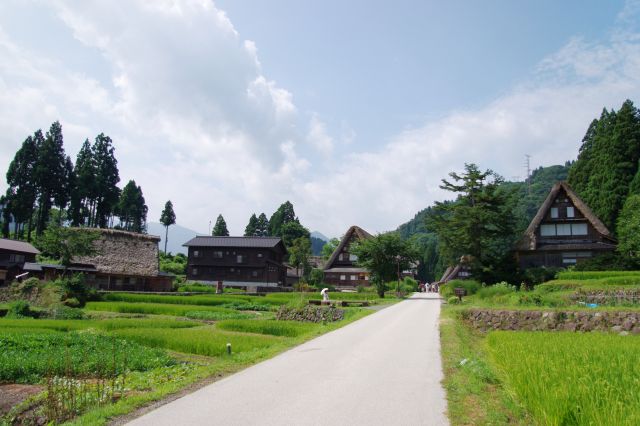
384, 369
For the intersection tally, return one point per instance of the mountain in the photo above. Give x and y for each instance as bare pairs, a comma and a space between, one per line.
320, 236
178, 235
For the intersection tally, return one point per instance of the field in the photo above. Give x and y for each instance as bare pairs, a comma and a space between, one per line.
155, 344
543, 378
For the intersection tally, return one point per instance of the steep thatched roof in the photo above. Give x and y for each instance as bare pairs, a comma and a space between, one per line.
360, 234
123, 253
528, 241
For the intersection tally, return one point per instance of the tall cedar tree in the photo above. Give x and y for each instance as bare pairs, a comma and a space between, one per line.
167, 218
629, 227
132, 209
106, 181
51, 175
608, 162
480, 223
252, 226
291, 231
285, 214
22, 189
262, 227
220, 228
84, 195
299, 254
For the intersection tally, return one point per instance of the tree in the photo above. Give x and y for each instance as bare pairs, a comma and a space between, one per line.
384, 256
22, 189
107, 193
220, 228
480, 223
167, 218
629, 227
299, 254
132, 209
291, 231
252, 226
85, 191
329, 247
64, 243
262, 227
285, 214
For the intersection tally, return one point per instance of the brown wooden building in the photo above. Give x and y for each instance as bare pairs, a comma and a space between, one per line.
13, 255
341, 269
564, 232
237, 261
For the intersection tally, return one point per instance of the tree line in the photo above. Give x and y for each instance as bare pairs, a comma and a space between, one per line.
45, 185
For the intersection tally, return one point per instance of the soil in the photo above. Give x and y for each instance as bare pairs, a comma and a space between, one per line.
13, 394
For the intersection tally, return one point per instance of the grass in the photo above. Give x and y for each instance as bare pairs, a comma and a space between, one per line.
204, 300
571, 378
110, 324
162, 309
271, 327
590, 275
28, 355
474, 393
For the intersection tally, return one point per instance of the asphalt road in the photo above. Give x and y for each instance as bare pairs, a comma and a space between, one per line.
384, 369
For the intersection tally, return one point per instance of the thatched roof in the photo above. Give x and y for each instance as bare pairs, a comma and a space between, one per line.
123, 253
356, 231
528, 241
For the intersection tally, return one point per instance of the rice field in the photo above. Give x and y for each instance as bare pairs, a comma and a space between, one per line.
108, 324
163, 309
271, 327
571, 378
591, 275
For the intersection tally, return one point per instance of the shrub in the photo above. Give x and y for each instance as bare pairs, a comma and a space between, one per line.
27, 285
65, 312
74, 287
471, 286
20, 309
499, 289
535, 276
310, 313
72, 303
453, 300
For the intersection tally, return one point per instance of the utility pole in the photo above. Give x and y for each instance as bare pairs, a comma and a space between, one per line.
528, 166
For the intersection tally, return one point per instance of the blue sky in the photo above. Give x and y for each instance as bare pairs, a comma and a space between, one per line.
353, 111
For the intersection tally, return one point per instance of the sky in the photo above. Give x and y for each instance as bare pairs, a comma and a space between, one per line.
353, 111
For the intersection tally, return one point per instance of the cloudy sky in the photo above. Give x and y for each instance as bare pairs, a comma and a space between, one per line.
353, 110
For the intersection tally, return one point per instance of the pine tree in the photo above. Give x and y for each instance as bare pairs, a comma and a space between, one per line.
132, 209
84, 195
251, 228
167, 218
262, 227
22, 189
220, 228
629, 227
285, 214
106, 180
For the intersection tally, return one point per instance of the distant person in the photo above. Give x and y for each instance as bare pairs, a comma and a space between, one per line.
325, 295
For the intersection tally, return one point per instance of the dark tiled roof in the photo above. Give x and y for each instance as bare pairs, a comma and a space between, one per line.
252, 242
17, 246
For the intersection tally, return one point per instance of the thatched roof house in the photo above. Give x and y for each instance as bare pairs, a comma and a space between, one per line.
563, 232
341, 269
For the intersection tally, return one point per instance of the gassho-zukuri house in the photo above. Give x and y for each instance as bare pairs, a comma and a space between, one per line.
341, 269
248, 262
563, 232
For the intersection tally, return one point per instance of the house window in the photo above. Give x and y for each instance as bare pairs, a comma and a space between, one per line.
548, 230
217, 254
343, 277
366, 277
554, 212
194, 271
196, 253
340, 256
259, 255
563, 229
571, 212
354, 277
17, 258
353, 257
240, 258
579, 229
254, 274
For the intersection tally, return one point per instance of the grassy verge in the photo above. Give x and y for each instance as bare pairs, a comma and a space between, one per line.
474, 393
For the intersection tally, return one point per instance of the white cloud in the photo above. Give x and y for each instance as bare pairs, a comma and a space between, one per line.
318, 136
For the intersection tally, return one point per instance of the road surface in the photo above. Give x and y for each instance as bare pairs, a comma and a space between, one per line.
384, 369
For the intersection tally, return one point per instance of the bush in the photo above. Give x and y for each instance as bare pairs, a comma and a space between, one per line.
74, 287
72, 303
453, 300
29, 284
20, 309
65, 312
310, 313
535, 276
499, 289
608, 262
471, 286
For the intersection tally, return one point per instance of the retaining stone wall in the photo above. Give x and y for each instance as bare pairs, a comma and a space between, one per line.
487, 320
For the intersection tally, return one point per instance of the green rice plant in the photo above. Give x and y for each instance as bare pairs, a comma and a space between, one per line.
272, 327
196, 288
205, 300
217, 316
571, 378
107, 325
591, 275
201, 341
26, 357
152, 308
496, 290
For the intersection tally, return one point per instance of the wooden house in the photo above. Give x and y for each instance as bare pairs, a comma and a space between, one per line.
123, 261
564, 232
237, 261
13, 255
461, 271
341, 269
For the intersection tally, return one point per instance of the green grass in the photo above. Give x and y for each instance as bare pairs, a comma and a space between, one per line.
28, 355
161, 309
590, 275
205, 300
474, 393
110, 324
217, 316
271, 327
571, 378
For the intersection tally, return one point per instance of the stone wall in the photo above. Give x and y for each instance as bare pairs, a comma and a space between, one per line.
487, 320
